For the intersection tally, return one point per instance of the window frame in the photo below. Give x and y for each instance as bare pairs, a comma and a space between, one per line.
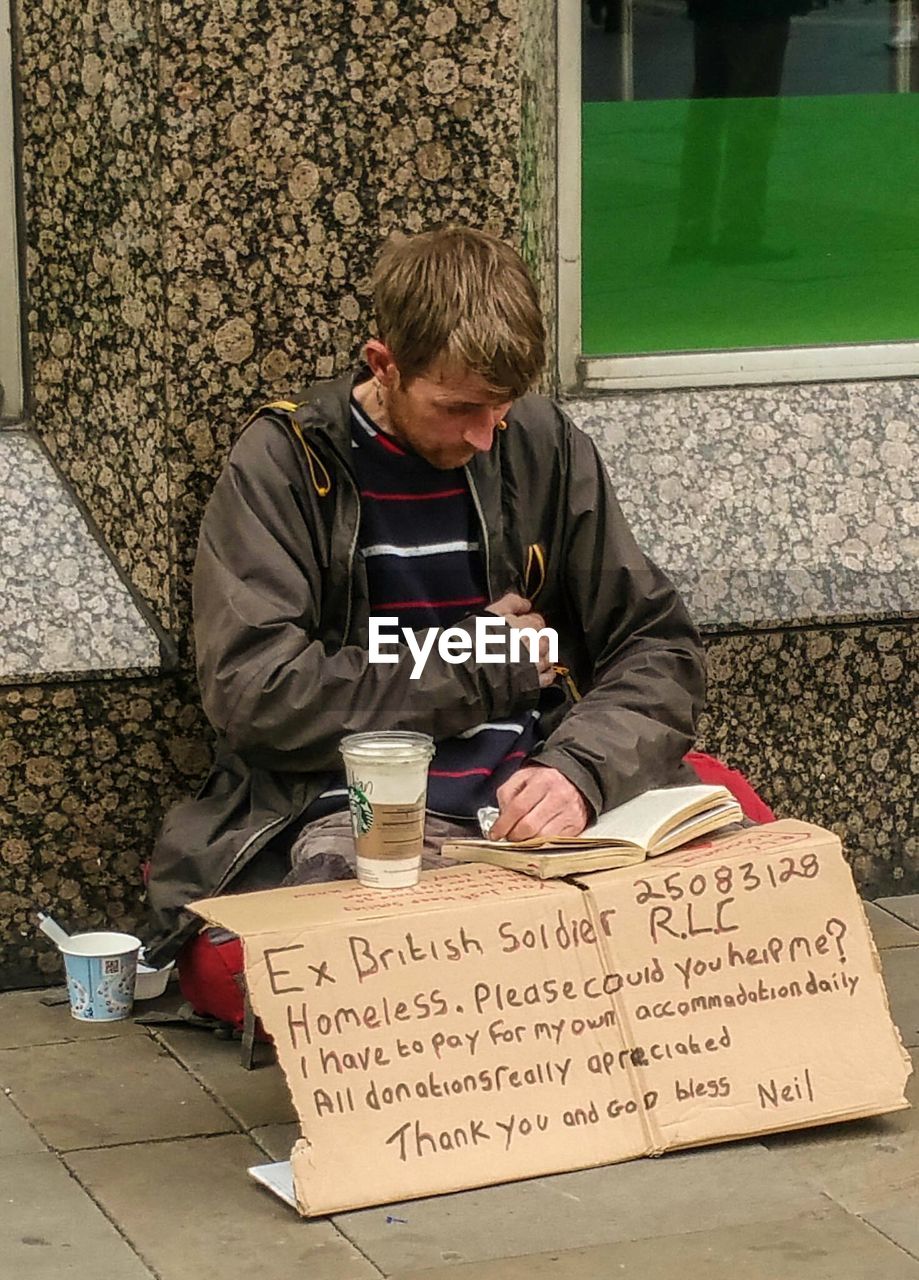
578, 373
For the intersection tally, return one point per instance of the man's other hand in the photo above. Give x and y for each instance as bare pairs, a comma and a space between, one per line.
518, 612
538, 801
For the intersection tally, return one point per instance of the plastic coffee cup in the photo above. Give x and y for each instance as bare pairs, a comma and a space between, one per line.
101, 969
387, 790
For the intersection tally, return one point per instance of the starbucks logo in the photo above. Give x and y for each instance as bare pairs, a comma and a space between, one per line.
361, 809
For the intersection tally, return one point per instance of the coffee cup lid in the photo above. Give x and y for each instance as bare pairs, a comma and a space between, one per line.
388, 746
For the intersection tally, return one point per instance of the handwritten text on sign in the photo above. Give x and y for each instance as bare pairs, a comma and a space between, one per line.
585, 1021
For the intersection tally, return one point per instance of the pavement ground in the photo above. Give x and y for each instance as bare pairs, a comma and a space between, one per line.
123, 1156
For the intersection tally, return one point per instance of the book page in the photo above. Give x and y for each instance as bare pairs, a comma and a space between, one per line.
699, 825
545, 861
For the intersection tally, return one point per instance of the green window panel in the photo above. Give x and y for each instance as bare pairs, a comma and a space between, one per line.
751, 222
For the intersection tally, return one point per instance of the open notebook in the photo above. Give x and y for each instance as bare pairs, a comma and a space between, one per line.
650, 824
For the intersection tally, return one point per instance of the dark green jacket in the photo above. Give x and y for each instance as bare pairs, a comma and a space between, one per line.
281, 632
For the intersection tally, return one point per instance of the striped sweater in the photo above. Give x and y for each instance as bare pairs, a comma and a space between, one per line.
419, 538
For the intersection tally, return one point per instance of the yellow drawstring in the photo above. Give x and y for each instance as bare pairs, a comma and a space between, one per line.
313, 460
534, 553
285, 406
536, 556
565, 673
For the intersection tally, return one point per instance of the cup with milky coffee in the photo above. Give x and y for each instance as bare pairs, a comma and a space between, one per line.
387, 789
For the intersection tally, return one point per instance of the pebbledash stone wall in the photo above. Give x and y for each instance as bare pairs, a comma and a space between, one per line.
789, 517
85, 769
823, 720
205, 187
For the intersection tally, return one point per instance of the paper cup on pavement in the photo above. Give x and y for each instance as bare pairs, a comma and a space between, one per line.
387, 790
151, 983
100, 969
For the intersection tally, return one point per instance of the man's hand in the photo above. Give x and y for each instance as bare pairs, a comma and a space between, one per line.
538, 801
518, 612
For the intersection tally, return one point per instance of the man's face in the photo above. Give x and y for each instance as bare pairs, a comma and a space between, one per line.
446, 416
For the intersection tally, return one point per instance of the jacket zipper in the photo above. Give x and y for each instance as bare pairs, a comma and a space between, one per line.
351, 551
484, 529
354, 539
248, 845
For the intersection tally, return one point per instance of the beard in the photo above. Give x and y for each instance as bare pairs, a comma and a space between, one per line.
443, 457
447, 460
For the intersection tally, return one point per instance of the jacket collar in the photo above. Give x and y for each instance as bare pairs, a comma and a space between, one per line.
325, 407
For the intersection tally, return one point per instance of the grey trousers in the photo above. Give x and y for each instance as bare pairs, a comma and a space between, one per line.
324, 849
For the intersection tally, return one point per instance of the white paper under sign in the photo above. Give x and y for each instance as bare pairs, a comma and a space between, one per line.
278, 1178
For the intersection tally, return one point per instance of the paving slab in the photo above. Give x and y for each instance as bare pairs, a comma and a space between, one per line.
860, 1162
896, 1215
701, 1190
905, 907
277, 1139
17, 1137
25, 1021
108, 1091
190, 1210
901, 977
257, 1097
50, 1229
830, 1246
889, 930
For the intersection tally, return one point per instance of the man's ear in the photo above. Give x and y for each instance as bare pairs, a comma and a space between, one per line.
382, 363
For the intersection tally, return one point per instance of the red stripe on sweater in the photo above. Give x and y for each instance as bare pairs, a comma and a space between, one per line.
429, 604
410, 497
468, 773
389, 444
459, 773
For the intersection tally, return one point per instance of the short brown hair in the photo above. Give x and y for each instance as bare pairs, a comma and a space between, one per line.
465, 297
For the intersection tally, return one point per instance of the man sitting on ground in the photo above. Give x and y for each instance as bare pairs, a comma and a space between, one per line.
432, 487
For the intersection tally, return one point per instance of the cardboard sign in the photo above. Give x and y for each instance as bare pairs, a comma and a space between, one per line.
483, 1027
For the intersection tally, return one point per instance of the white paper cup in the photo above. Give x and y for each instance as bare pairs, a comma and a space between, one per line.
101, 969
387, 790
